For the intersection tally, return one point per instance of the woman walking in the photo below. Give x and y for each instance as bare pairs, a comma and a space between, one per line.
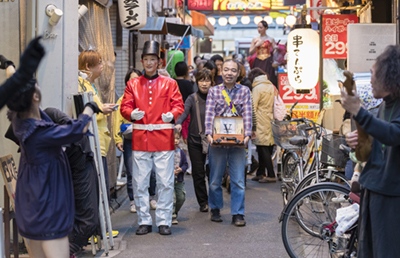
196, 102
263, 100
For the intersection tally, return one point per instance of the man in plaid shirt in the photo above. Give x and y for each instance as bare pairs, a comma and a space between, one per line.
219, 157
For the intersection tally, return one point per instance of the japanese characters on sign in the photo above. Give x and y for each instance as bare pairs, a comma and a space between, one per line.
226, 5
200, 5
308, 104
303, 58
133, 14
298, 69
334, 35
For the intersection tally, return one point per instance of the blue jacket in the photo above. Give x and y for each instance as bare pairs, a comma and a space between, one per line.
183, 165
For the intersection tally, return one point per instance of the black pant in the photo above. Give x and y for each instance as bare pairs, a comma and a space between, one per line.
198, 160
265, 160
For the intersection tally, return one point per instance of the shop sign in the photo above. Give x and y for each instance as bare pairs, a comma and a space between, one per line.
308, 104
203, 5
303, 58
133, 14
234, 5
334, 35
315, 14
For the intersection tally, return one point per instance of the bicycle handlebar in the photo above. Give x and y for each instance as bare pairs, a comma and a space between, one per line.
314, 127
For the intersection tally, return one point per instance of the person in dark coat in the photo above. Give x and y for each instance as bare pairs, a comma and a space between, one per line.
44, 200
199, 171
85, 183
380, 179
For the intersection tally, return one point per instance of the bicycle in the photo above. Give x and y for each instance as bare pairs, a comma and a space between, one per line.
308, 223
334, 156
295, 138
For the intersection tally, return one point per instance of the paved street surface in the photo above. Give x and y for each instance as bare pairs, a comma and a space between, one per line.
197, 236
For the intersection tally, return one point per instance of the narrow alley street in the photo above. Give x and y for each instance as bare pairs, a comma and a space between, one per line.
197, 236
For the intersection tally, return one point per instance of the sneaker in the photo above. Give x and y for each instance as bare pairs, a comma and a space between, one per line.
238, 220
267, 180
257, 178
153, 204
215, 215
133, 207
174, 221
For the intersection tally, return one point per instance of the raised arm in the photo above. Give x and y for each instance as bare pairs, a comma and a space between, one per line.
385, 132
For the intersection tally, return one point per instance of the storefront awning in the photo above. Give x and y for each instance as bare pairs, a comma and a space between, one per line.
180, 29
155, 25
201, 22
158, 25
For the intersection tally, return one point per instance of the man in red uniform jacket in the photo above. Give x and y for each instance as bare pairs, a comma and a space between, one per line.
153, 103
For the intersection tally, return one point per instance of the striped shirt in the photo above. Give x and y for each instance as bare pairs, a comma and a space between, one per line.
217, 106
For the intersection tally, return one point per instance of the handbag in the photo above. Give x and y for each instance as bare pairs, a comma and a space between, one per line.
279, 107
204, 141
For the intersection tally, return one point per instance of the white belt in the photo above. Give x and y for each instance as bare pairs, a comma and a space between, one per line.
151, 127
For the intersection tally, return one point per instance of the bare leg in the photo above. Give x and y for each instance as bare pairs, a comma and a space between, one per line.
56, 248
36, 248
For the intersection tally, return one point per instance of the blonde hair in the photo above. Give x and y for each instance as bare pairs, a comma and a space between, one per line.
89, 57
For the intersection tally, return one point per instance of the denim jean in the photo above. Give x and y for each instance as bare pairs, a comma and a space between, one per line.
127, 145
219, 158
349, 169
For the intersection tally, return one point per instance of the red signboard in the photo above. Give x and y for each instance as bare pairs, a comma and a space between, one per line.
308, 104
288, 93
334, 35
200, 5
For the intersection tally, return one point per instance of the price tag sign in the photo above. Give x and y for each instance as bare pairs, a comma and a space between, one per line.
334, 35
308, 104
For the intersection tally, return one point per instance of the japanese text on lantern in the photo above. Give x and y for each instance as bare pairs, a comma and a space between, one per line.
131, 18
298, 69
335, 35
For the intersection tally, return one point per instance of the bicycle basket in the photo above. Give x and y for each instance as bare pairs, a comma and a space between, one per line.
284, 130
331, 155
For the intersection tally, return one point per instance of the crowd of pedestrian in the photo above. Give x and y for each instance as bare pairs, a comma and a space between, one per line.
163, 126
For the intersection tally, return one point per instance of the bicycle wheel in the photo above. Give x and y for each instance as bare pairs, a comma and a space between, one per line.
313, 209
325, 176
290, 170
289, 163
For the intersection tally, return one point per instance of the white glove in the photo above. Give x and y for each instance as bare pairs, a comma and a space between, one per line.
167, 117
137, 115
